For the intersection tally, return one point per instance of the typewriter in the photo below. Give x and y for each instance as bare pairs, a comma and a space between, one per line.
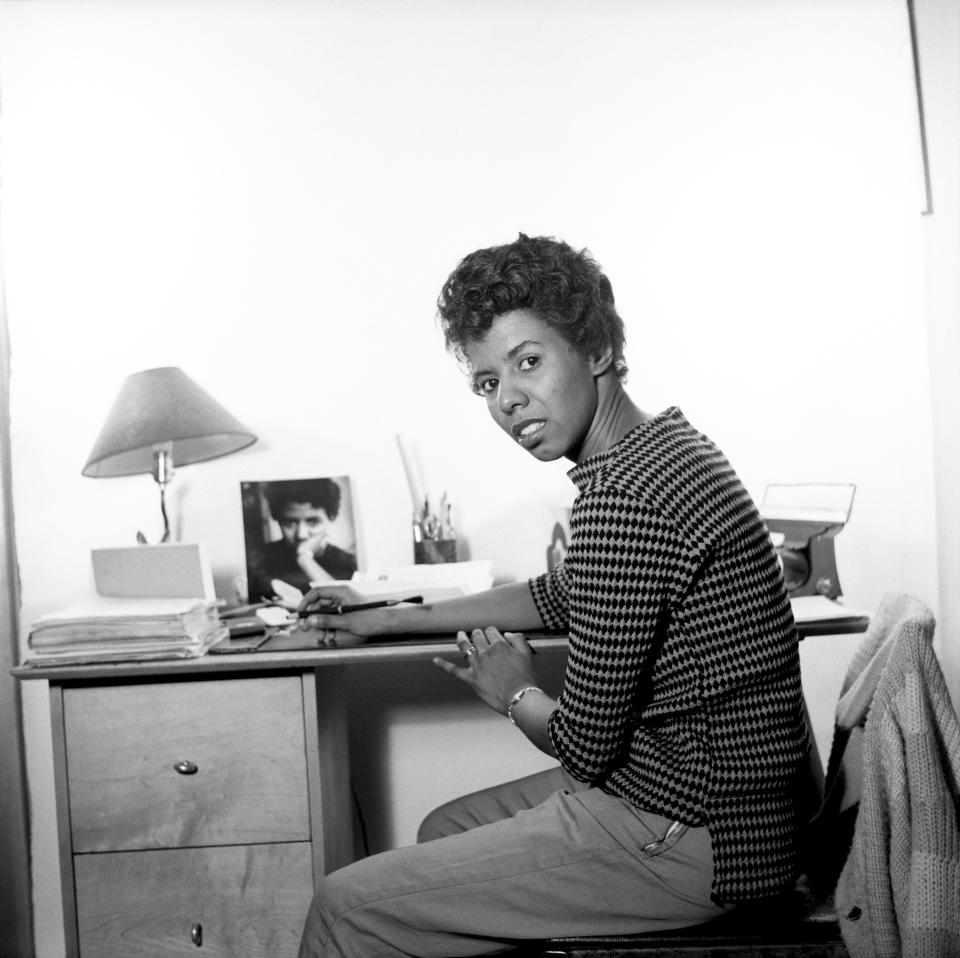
803, 520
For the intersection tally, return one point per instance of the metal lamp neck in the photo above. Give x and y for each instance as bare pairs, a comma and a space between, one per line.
163, 473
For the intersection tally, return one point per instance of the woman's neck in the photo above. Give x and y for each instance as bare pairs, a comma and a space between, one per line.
616, 415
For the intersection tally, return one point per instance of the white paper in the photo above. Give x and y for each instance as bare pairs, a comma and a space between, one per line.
818, 608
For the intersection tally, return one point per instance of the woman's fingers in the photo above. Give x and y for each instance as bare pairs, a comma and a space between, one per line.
484, 638
338, 639
518, 641
466, 644
327, 596
452, 669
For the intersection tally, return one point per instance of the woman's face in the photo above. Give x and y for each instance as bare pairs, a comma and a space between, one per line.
538, 388
301, 521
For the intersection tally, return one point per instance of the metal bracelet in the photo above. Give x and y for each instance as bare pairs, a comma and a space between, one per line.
516, 700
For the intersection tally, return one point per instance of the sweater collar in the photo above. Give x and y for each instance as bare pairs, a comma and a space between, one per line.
583, 473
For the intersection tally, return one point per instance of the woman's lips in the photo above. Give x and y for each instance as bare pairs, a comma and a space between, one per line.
528, 431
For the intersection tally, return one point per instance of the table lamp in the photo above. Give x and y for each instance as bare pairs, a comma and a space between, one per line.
161, 417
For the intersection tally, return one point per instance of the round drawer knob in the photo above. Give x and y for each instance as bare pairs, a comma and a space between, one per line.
186, 768
196, 933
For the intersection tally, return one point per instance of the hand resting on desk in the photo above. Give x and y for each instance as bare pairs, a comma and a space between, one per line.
506, 607
337, 630
302, 637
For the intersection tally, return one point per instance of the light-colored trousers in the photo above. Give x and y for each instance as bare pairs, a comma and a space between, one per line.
541, 857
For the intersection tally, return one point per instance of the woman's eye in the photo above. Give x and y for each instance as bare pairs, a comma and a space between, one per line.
485, 387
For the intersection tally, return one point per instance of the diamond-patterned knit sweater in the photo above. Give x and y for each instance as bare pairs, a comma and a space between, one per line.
682, 690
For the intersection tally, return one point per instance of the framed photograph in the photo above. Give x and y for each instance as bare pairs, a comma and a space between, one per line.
297, 533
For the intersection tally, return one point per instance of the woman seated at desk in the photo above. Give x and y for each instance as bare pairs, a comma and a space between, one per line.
679, 730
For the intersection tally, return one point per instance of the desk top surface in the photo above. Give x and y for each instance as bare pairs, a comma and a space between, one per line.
406, 649
409, 649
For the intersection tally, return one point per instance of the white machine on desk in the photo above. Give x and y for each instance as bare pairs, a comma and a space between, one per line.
803, 520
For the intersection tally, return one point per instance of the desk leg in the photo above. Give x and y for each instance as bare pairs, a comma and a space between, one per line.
328, 769
64, 838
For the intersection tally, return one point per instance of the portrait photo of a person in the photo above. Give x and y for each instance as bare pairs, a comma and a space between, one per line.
297, 532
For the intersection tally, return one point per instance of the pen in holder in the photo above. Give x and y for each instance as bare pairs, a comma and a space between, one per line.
434, 538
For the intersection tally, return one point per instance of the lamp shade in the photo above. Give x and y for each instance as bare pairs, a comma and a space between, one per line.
157, 407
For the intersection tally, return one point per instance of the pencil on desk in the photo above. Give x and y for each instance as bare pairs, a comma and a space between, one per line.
339, 609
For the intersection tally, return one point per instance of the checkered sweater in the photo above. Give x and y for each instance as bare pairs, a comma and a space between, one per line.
682, 690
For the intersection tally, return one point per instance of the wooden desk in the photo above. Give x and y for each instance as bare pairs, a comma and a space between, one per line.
199, 800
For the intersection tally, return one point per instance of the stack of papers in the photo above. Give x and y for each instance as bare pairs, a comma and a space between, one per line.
443, 580
107, 628
818, 608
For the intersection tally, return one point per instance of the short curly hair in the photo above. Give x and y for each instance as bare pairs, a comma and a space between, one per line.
320, 493
565, 288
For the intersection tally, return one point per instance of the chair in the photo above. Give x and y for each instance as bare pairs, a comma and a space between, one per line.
899, 889
798, 926
803, 922
800, 923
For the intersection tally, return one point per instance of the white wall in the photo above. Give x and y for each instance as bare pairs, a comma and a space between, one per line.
269, 195
938, 32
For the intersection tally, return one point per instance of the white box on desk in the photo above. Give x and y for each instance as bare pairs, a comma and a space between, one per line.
170, 570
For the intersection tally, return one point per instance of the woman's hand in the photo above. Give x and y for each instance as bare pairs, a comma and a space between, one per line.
317, 614
308, 558
314, 546
498, 665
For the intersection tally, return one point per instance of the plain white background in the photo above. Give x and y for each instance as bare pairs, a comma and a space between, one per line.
269, 195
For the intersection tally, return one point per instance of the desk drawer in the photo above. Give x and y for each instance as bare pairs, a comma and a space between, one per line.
242, 902
246, 781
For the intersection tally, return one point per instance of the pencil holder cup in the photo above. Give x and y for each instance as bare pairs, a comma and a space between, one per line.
432, 551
